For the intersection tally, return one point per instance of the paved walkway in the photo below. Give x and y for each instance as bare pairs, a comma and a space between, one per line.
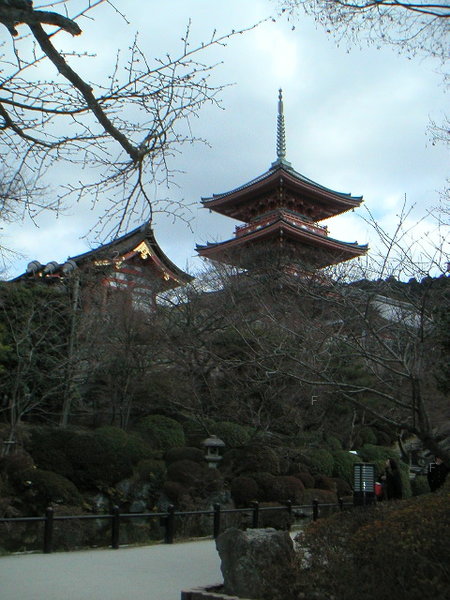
157, 572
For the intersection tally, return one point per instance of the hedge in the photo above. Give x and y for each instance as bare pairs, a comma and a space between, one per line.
161, 432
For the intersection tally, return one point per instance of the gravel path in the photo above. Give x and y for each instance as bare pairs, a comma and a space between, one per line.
157, 572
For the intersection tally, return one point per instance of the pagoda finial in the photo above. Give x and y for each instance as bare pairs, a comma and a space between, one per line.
281, 136
281, 133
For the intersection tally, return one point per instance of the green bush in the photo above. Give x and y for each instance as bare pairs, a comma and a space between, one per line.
47, 446
343, 488
410, 545
343, 465
44, 488
129, 445
175, 491
333, 443
186, 472
151, 470
14, 465
257, 458
319, 461
306, 478
232, 434
161, 432
286, 487
194, 432
266, 484
325, 483
391, 549
366, 435
244, 490
419, 485
184, 453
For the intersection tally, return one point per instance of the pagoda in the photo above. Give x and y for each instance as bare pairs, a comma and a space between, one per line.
281, 211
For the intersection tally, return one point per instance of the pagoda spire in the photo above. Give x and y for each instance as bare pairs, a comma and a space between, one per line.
281, 136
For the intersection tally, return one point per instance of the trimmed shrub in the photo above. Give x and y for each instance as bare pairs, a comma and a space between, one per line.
266, 483
253, 459
319, 461
334, 444
390, 549
411, 545
343, 488
343, 465
287, 488
151, 470
46, 488
306, 478
209, 483
175, 491
14, 465
131, 446
194, 433
244, 490
366, 435
325, 483
47, 447
161, 432
184, 453
234, 435
94, 463
186, 472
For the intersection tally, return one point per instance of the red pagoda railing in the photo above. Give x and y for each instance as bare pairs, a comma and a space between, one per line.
275, 216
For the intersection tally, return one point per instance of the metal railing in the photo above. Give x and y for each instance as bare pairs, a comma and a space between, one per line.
167, 519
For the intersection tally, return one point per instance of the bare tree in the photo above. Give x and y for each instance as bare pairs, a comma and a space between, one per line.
125, 128
364, 336
414, 27
34, 328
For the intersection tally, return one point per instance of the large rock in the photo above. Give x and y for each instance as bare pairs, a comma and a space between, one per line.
252, 559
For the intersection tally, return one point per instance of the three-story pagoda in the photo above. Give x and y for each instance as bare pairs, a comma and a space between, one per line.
282, 211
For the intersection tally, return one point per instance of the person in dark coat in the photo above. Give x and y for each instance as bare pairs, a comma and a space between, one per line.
436, 474
393, 480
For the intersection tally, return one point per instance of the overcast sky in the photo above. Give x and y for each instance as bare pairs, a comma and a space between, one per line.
356, 122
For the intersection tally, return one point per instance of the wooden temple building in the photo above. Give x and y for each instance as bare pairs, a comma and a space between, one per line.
282, 211
133, 262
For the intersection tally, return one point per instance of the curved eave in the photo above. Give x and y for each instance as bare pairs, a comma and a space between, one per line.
227, 202
123, 248
289, 231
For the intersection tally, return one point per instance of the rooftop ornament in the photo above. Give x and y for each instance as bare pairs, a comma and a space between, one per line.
281, 136
213, 445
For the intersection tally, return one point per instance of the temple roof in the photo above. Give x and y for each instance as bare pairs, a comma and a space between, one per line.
139, 242
284, 229
324, 201
309, 197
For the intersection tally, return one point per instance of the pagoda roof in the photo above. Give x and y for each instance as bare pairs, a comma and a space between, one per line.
140, 242
329, 250
325, 201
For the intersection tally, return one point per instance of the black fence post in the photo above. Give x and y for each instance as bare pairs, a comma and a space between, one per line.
289, 511
216, 528
170, 524
315, 510
115, 527
48, 530
341, 504
255, 505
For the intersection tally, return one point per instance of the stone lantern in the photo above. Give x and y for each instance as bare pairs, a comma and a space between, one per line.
213, 445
